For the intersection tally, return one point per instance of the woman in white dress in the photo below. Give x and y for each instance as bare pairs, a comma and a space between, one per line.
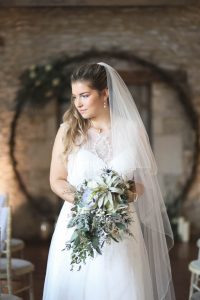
102, 128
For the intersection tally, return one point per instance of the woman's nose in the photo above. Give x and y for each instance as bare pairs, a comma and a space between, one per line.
78, 102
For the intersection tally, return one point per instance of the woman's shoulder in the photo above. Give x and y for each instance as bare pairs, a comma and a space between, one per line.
79, 139
61, 132
63, 128
64, 125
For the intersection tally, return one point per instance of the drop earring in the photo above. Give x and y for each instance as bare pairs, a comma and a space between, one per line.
104, 105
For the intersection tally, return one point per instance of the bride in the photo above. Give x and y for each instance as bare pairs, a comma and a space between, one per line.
103, 128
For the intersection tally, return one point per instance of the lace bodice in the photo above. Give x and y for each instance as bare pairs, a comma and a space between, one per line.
99, 144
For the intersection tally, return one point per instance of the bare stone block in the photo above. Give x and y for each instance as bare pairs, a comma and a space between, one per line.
40, 155
157, 125
168, 153
51, 129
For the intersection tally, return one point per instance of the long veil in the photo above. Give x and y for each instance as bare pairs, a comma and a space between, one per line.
129, 137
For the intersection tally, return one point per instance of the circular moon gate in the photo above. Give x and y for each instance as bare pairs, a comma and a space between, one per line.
44, 83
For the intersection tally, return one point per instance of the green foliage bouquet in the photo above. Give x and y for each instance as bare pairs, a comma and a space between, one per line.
100, 214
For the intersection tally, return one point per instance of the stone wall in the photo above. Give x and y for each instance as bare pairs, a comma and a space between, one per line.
168, 37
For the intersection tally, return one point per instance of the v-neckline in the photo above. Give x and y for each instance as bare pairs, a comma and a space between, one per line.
106, 132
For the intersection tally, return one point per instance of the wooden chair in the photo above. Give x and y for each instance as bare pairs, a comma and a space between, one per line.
3, 223
15, 269
17, 245
196, 296
194, 268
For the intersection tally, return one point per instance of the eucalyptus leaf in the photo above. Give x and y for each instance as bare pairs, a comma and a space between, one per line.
74, 236
121, 226
114, 238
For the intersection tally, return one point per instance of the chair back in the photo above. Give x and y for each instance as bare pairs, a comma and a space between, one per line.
4, 215
198, 245
5, 224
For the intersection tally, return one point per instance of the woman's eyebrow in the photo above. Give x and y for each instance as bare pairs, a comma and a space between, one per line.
80, 93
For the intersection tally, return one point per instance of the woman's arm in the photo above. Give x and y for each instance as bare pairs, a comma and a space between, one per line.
58, 171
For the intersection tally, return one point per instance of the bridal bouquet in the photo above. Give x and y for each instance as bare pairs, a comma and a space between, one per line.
100, 214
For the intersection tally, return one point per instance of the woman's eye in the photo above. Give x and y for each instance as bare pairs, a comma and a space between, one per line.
84, 96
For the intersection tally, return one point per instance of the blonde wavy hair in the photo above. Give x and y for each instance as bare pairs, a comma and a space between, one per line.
76, 125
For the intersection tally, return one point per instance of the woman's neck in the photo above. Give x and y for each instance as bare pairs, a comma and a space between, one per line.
102, 123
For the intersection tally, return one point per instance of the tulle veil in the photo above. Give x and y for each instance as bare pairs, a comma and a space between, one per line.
129, 138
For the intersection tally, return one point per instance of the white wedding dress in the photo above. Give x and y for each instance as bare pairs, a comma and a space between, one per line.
122, 271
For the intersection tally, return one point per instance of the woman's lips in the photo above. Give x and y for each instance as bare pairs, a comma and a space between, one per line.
82, 111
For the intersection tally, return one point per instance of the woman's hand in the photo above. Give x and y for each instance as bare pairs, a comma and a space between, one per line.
135, 190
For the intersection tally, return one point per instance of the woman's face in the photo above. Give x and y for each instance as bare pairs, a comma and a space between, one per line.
88, 101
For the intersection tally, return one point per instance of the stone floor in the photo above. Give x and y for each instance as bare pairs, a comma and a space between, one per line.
180, 256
